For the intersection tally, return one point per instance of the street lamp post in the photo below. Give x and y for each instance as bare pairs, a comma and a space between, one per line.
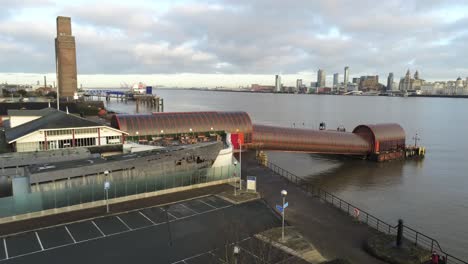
283, 194
240, 164
106, 188
236, 251
235, 183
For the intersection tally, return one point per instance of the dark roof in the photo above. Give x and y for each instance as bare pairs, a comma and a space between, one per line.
41, 112
182, 122
73, 107
53, 120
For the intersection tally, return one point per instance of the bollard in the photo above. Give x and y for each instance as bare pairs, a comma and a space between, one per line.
399, 239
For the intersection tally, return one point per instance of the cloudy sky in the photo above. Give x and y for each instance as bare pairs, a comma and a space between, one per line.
235, 42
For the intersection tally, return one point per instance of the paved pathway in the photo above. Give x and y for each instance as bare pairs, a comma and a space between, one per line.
333, 233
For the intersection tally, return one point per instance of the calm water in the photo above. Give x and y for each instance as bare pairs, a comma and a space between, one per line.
430, 195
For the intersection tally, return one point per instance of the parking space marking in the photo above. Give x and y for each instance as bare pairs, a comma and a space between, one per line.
210, 252
68, 231
125, 224
101, 232
167, 212
147, 218
192, 257
207, 204
39, 240
5, 246
99, 229
189, 208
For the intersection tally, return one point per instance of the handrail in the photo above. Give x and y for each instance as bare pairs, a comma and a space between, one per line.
372, 221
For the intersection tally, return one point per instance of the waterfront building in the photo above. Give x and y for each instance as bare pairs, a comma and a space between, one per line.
65, 58
352, 87
460, 87
262, 88
405, 83
346, 75
335, 80
411, 84
321, 79
390, 82
369, 83
298, 85
48, 129
278, 87
356, 80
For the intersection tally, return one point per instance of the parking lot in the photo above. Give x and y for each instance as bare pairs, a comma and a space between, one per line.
38, 242
252, 250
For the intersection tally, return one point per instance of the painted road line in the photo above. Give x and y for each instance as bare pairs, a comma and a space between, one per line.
167, 212
99, 229
39, 240
189, 208
68, 231
123, 222
5, 246
147, 218
96, 238
210, 252
208, 204
192, 257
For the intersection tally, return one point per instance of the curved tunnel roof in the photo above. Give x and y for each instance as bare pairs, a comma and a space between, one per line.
383, 132
308, 140
182, 122
383, 137
364, 139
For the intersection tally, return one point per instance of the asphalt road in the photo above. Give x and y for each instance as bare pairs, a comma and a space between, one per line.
144, 236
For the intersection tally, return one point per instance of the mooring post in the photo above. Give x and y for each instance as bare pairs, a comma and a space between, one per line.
399, 239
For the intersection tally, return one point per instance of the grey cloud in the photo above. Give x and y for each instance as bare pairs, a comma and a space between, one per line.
264, 36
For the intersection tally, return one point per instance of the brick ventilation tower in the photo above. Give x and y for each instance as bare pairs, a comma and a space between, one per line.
65, 58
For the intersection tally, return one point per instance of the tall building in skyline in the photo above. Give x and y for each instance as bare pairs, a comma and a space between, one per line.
298, 85
405, 83
390, 82
335, 79
346, 75
65, 58
321, 78
408, 84
278, 84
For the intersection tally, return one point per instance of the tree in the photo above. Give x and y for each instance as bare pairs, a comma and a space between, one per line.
52, 94
6, 93
23, 93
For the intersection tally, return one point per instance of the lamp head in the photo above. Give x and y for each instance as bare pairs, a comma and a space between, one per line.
284, 193
106, 172
236, 250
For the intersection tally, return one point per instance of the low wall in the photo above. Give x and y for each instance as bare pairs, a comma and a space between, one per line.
111, 201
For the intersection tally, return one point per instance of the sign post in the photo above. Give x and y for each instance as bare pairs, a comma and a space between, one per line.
251, 183
106, 188
283, 194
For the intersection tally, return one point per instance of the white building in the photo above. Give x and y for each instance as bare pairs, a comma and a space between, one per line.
38, 130
278, 87
346, 76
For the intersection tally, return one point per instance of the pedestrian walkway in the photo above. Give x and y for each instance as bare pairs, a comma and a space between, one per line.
333, 233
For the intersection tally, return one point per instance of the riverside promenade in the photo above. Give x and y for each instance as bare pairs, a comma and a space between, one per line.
333, 233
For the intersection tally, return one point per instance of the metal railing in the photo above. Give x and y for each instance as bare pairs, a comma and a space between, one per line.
89, 189
410, 234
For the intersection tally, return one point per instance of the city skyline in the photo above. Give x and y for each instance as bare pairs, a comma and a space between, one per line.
179, 44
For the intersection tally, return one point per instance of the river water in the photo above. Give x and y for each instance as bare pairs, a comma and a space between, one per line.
430, 195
